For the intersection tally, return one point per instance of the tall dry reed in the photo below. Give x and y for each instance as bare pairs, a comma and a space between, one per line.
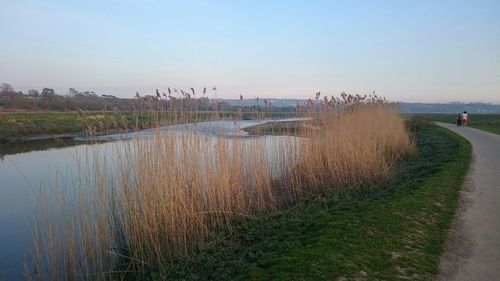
168, 191
351, 148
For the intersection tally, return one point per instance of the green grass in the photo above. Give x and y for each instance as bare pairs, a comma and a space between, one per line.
486, 122
16, 125
21, 124
396, 230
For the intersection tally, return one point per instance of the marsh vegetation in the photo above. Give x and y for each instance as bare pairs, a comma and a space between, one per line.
163, 196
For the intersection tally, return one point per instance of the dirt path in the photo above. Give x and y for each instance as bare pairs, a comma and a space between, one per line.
473, 249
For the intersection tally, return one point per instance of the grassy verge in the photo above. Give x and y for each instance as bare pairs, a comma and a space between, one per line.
486, 122
394, 231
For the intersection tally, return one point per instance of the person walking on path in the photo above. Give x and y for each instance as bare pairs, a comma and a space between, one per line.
459, 119
465, 118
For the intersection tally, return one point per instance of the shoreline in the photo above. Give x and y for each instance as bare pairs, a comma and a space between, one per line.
294, 127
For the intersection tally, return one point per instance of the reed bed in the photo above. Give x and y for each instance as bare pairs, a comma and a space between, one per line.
168, 192
350, 149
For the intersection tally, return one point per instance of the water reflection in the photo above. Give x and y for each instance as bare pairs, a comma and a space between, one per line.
36, 145
26, 165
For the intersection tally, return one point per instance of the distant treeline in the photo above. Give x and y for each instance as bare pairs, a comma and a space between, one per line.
173, 99
48, 99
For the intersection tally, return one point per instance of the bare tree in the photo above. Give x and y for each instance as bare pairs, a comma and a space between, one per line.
6, 88
72, 92
47, 92
33, 93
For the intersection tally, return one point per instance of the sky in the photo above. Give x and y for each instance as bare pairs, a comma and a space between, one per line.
414, 51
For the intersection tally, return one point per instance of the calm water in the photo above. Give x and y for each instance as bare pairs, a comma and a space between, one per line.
22, 174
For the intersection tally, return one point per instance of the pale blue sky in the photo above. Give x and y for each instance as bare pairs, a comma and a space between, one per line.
406, 50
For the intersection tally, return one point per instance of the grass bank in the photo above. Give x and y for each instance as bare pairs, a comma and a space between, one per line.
15, 126
392, 232
486, 122
19, 125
